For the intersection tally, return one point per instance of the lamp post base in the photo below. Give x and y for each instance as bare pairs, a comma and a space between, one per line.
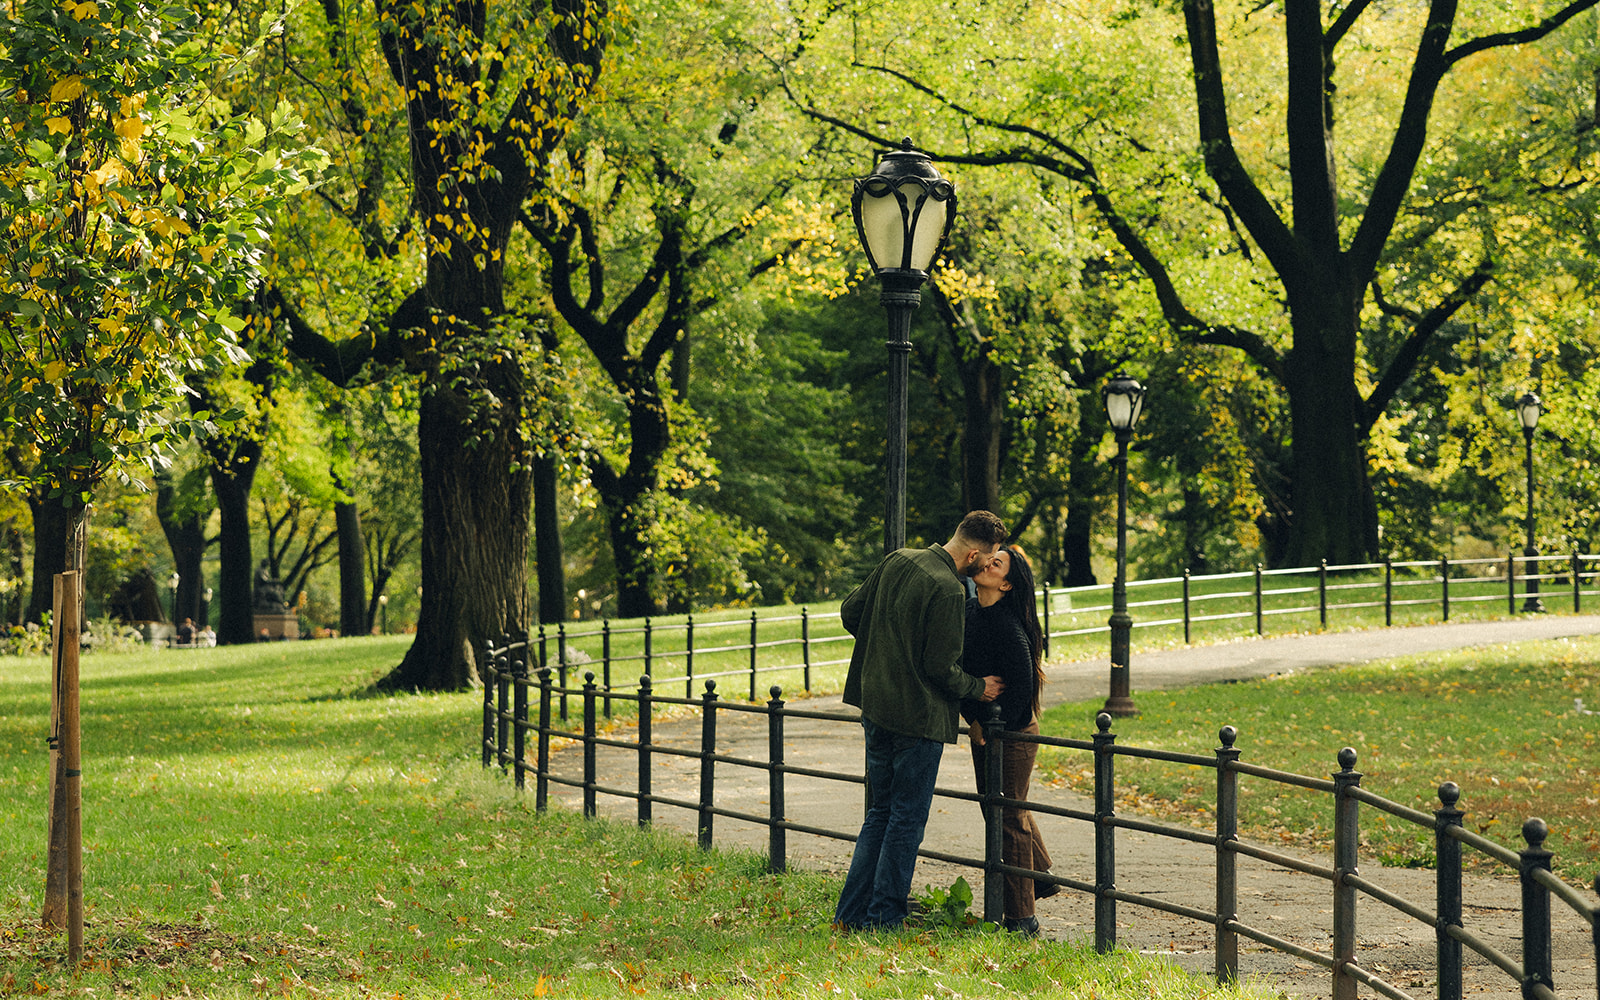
1533, 606
1119, 706
1120, 702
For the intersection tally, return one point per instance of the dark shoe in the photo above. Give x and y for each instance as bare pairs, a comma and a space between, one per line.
1044, 890
1026, 926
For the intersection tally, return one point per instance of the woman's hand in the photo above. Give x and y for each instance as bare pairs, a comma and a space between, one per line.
976, 732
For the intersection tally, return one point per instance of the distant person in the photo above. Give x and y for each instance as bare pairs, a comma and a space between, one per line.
1003, 639
186, 632
906, 677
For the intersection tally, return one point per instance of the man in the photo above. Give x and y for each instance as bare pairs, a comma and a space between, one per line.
906, 677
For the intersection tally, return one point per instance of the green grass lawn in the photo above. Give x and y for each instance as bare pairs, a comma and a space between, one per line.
252, 828
1500, 722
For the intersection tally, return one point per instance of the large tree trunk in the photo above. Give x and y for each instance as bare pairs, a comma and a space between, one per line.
549, 553
186, 537
353, 618
232, 474
476, 494
1332, 515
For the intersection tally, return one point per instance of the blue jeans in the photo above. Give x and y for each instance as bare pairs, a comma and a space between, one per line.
901, 771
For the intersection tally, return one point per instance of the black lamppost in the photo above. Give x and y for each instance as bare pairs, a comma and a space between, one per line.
172, 585
1124, 399
903, 211
383, 612
1528, 416
205, 609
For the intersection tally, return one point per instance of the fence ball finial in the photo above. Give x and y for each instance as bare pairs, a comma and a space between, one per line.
775, 691
711, 687
1227, 734
1534, 831
1449, 794
1103, 722
588, 676
1347, 759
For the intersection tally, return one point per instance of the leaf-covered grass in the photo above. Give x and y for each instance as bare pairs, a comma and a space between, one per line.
252, 828
1501, 722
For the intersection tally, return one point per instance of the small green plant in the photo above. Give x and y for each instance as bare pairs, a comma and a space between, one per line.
28, 640
108, 635
948, 908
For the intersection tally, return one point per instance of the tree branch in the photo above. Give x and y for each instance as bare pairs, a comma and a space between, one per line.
1405, 360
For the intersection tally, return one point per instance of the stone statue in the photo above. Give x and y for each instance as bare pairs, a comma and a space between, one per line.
269, 592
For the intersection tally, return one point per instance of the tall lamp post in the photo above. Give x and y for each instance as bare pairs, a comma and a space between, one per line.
205, 608
172, 585
1528, 415
903, 211
383, 613
1124, 400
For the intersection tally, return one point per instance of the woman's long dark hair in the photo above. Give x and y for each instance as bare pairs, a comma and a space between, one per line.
1020, 600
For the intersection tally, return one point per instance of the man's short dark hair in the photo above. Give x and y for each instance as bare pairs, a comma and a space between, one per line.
983, 529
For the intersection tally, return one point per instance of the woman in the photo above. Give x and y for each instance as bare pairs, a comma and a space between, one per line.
1003, 638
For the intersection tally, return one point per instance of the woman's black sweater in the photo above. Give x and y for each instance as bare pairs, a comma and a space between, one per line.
996, 644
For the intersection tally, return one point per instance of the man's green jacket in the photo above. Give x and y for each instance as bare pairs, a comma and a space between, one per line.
905, 671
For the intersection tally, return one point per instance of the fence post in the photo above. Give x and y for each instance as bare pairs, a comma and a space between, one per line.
605, 659
1535, 908
502, 717
777, 836
753, 619
1322, 592
1346, 850
1186, 640
645, 712
519, 724
1444, 586
1388, 591
1258, 599
561, 664
1046, 618
688, 656
1594, 927
1577, 570
1105, 843
994, 882
490, 685
541, 783
708, 748
805, 648
1511, 583
1447, 890
1227, 965
647, 647
590, 774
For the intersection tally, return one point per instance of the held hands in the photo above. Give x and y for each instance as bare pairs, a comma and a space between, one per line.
992, 686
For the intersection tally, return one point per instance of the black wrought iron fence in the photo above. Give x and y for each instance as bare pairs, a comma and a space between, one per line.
510, 691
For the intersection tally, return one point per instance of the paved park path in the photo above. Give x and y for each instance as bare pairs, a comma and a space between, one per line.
1288, 904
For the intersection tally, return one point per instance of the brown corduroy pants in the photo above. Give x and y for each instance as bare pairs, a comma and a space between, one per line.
1022, 844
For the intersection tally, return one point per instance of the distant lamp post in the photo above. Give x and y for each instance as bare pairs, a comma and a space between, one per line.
172, 585
903, 211
383, 613
205, 609
1528, 411
1124, 400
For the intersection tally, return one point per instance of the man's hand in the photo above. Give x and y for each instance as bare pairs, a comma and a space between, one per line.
992, 686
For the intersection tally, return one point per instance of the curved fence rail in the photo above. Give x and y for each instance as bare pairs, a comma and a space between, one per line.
510, 692
789, 648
